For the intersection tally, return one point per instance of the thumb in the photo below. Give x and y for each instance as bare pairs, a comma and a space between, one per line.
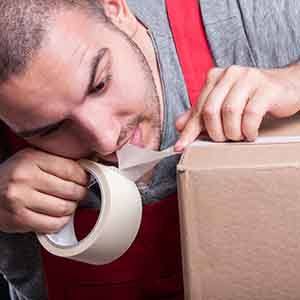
190, 132
182, 120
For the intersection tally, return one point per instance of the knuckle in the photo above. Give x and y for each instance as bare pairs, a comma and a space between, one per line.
73, 191
255, 76
26, 151
27, 154
70, 170
229, 109
235, 69
209, 112
22, 169
251, 112
19, 173
11, 192
253, 72
212, 74
65, 209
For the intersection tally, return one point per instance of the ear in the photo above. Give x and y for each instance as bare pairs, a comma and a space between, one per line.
120, 15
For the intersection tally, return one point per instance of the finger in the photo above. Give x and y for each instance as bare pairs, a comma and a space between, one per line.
212, 110
66, 169
28, 220
193, 126
233, 108
190, 133
253, 115
43, 224
49, 205
183, 119
57, 187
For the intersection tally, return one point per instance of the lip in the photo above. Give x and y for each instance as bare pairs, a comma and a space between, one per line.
137, 138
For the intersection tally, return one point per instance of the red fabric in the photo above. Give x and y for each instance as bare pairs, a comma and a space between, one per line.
12, 143
191, 43
151, 268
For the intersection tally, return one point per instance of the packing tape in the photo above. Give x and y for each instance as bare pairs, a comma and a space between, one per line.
117, 225
120, 212
259, 141
121, 206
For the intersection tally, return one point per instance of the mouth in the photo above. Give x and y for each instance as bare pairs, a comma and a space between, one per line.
137, 137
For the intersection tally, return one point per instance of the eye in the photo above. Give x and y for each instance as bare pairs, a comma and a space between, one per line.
101, 87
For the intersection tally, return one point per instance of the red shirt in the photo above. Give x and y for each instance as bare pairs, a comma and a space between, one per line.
151, 268
191, 43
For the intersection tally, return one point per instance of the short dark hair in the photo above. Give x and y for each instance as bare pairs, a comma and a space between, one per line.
24, 25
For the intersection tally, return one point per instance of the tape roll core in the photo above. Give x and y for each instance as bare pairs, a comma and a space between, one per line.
116, 227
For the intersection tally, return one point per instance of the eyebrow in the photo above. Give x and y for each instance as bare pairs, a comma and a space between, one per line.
92, 71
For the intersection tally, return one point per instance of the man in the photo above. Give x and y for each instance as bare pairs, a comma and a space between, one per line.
86, 77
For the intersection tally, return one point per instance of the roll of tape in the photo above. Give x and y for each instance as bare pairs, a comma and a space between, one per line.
117, 225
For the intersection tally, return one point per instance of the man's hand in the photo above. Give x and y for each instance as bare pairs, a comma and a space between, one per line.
39, 192
235, 100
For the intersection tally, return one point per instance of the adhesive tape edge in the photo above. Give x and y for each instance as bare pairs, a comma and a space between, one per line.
106, 242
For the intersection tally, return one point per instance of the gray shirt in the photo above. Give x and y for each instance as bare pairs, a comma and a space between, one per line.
154, 16
258, 33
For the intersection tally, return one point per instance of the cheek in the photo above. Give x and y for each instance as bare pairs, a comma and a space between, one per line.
128, 96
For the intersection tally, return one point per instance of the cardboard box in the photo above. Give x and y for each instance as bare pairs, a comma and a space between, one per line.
240, 218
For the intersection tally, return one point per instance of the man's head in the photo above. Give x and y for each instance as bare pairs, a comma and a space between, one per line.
70, 69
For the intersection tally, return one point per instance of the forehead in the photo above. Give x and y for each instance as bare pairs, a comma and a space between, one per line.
68, 49
58, 74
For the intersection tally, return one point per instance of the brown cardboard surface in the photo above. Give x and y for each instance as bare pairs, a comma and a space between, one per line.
233, 155
240, 219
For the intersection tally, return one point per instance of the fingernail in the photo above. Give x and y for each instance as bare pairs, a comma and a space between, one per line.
179, 147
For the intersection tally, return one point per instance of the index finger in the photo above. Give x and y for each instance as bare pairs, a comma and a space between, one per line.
63, 168
194, 126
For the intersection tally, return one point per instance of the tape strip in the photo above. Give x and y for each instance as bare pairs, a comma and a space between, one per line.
259, 140
121, 205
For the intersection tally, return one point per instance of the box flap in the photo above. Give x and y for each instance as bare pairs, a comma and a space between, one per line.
236, 155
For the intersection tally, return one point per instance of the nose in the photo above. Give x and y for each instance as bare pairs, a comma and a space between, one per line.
100, 129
